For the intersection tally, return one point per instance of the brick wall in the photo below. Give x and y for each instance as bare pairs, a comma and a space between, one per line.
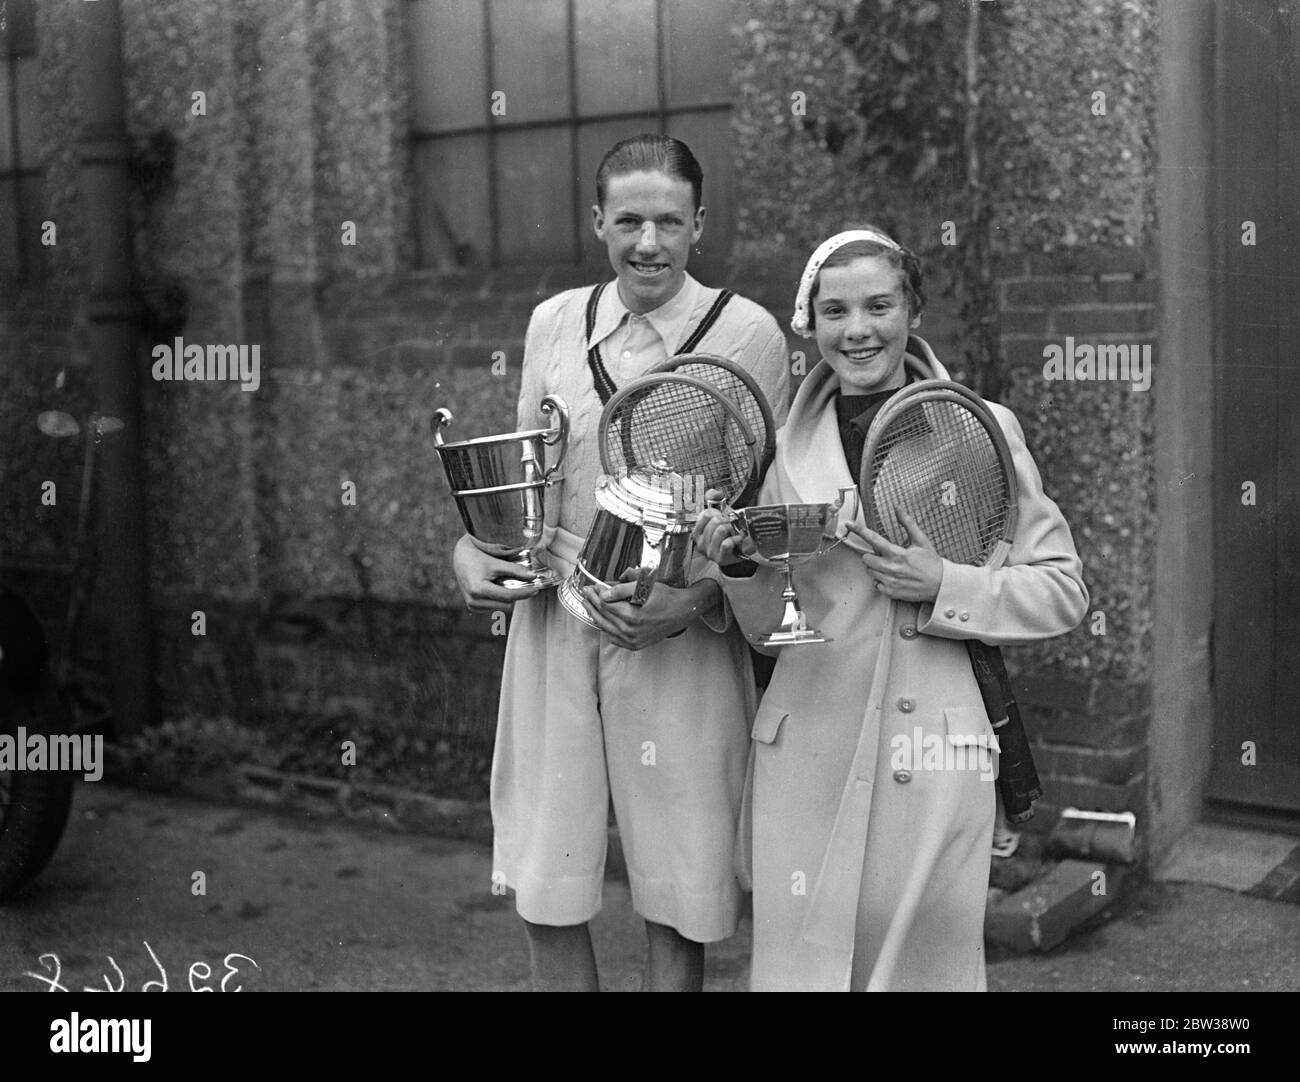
391, 650
319, 613
1086, 697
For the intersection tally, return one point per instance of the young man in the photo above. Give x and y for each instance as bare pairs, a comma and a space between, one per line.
653, 709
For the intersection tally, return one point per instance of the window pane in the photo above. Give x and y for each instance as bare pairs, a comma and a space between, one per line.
18, 37
617, 56
29, 129
534, 192
709, 137
542, 210
452, 223
530, 58
699, 51
8, 230
6, 130
593, 140
448, 64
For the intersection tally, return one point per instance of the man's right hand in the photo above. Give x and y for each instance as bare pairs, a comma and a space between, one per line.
719, 540
477, 573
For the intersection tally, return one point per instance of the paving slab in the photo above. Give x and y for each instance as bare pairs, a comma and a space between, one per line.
1223, 856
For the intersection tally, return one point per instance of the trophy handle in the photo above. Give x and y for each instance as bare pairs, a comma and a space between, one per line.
737, 521
716, 503
857, 500
839, 503
734, 517
649, 569
441, 419
645, 579
553, 403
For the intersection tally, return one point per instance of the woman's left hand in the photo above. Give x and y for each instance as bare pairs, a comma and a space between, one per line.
913, 573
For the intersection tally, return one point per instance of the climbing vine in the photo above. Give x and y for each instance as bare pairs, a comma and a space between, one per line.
918, 84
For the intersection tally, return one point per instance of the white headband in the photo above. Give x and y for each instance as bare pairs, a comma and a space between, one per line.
799, 324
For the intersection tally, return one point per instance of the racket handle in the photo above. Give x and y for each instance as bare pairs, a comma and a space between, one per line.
1018, 782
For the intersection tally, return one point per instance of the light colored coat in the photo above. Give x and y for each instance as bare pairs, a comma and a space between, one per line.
872, 803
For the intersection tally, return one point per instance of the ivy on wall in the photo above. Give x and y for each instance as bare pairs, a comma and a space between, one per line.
915, 113
904, 64
918, 84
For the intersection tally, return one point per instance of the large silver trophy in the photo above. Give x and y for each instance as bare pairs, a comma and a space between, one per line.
665, 440
499, 484
643, 524
786, 535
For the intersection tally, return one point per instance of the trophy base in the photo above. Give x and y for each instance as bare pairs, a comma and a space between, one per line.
792, 638
571, 599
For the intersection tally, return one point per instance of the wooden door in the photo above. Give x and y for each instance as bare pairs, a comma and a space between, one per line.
1256, 647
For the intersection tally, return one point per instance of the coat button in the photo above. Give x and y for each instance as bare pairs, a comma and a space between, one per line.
906, 705
908, 631
964, 616
950, 613
902, 776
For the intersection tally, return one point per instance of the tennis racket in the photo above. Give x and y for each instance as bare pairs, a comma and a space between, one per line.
730, 379
668, 423
936, 450
682, 436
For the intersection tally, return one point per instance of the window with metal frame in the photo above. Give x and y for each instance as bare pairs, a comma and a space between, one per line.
20, 173
515, 102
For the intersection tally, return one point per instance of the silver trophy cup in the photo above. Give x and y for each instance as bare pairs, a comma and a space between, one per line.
643, 523
786, 535
499, 484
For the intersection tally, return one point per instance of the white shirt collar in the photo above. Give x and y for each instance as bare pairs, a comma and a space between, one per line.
669, 320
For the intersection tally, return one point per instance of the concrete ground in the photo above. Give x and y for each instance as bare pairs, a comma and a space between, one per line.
1256, 861
324, 905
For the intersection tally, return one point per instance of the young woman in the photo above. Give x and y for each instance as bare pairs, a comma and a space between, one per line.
651, 711
867, 876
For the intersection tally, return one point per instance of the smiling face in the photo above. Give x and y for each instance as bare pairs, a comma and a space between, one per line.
648, 223
861, 319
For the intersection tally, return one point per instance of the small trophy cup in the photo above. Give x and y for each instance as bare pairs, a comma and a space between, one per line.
786, 535
500, 482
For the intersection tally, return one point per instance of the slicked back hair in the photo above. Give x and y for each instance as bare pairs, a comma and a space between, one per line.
650, 153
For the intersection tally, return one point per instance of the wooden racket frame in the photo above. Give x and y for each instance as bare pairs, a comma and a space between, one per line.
942, 390
768, 453
1018, 784
648, 382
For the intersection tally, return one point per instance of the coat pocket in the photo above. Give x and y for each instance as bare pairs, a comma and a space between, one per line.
969, 725
969, 729
768, 723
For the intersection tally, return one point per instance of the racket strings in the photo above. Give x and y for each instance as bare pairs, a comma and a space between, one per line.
681, 428
736, 390
939, 462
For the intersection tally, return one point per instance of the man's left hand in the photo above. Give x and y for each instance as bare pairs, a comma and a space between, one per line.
667, 610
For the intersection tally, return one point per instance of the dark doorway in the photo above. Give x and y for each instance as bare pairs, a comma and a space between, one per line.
1256, 646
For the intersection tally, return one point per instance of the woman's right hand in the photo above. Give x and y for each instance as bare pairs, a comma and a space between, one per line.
477, 573
719, 540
